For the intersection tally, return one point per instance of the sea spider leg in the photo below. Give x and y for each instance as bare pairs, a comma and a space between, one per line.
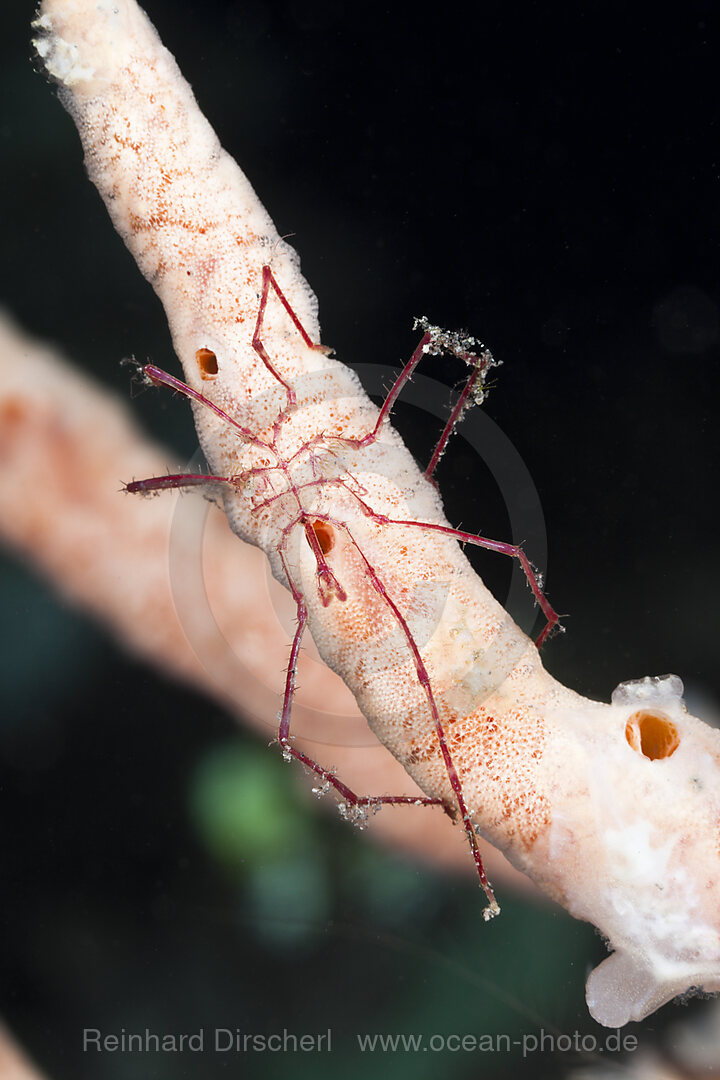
174, 480
514, 550
533, 578
158, 377
328, 584
403, 377
354, 804
552, 619
479, 365
270, 281
435, 340
424, 680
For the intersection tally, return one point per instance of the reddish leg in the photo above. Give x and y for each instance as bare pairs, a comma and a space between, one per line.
435, 340
174, 480
422, 347
328, 584
354, 804
269, 281
473, 393
158, 377
514, 550
474, 387
424, 680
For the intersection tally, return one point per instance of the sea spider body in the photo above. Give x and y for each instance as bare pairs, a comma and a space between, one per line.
338, 512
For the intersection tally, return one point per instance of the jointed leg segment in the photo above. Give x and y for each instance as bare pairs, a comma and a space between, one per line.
357, 803
514, 550
269, 281
174, 480
424, 680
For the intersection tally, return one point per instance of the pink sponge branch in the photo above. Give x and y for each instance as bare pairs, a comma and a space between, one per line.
14, 1065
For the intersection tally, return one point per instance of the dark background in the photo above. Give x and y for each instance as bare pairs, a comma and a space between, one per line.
549, 180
